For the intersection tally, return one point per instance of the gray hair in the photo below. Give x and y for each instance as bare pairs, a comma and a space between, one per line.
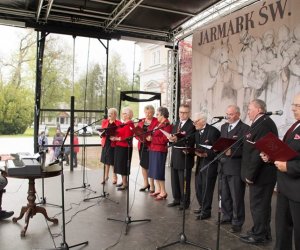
200, 115
149, 107
235, 107
260, 104
112, 110
163, 111
129, 111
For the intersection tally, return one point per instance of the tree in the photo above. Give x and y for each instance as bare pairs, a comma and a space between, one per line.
16, 109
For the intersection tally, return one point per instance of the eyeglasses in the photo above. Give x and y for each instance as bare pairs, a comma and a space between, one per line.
183, 112
296, 105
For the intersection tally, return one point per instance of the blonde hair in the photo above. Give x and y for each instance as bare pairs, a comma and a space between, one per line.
128, 111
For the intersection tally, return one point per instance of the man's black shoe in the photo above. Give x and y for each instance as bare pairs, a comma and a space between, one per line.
203, 216
5, 215
252, 240
173, 204
223, 222
197, 211
181, 207
235, 229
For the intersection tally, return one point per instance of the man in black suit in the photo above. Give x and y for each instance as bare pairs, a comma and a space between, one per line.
259, 175
183, 127
232, 186
205, 180
288, 186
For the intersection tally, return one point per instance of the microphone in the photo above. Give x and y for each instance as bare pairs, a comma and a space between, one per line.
278, 112
220, 117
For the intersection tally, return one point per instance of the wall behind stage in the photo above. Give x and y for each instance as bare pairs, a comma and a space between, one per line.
251, 53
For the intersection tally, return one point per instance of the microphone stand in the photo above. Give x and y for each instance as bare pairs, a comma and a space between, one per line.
128, 219
182, 236
43, 161
104, 194
64, 245
84, 184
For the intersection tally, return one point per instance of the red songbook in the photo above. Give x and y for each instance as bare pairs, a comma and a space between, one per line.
140, 134
276, 149
223, 143
180, 135
111, 130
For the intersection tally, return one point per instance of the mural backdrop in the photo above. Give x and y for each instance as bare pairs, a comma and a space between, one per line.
251, 53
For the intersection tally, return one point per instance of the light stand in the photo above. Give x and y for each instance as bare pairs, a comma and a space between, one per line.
182, 236
128, 219
84, 184
64, 244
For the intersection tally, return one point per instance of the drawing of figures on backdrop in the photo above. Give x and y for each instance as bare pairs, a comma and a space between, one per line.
222, 65
292, 60
252, 76
269, 62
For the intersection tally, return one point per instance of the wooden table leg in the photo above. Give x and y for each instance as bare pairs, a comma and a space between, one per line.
32, 209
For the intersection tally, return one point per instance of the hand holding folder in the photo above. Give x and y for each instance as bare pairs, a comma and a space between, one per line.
276, 149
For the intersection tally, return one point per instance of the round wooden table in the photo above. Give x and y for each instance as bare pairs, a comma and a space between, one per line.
31, 208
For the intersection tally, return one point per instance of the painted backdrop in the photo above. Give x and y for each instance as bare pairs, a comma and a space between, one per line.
251, 53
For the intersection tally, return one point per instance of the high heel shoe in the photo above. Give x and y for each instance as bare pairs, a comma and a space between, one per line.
122, 188
161, 197
151, 191
105, 180
145, 188
119, 185
154, 194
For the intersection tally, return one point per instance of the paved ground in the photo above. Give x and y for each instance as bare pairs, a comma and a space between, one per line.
87, 221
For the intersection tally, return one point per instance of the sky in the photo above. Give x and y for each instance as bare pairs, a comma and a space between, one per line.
129, 52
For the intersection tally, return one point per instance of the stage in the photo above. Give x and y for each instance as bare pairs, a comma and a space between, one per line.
87, 221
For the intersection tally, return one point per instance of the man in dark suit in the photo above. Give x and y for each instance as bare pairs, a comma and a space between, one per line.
288, 186
205, 180
260, 176
180, 161
232, 186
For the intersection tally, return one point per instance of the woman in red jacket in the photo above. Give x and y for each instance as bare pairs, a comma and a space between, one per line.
108, 147
123, 149
147, 124
158, 151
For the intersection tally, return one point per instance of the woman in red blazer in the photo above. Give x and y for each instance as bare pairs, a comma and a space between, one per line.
147, 124
108, 147
158, 151
123, 149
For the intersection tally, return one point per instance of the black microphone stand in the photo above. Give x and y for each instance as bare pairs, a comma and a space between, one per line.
104, 194
84, 184
182, 236
64, 245
128, 219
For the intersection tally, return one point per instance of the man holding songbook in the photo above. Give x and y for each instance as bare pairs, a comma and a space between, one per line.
259, 175
205, 180
180, 161
232, 186
288, 188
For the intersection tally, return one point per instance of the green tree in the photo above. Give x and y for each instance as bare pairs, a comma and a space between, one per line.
16, 109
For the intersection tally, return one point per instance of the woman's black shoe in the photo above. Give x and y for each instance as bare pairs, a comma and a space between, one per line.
145, 188
119, 185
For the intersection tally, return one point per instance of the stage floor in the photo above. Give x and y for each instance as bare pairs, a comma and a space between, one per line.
87, 221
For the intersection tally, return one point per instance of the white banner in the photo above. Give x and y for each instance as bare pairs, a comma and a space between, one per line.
251, 53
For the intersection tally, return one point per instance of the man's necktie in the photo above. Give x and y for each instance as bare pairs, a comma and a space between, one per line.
229, 128
290, 130
179, 126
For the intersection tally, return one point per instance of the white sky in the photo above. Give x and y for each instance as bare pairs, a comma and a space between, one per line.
129, 52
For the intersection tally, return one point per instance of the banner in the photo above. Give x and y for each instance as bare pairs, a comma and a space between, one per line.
251, 53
